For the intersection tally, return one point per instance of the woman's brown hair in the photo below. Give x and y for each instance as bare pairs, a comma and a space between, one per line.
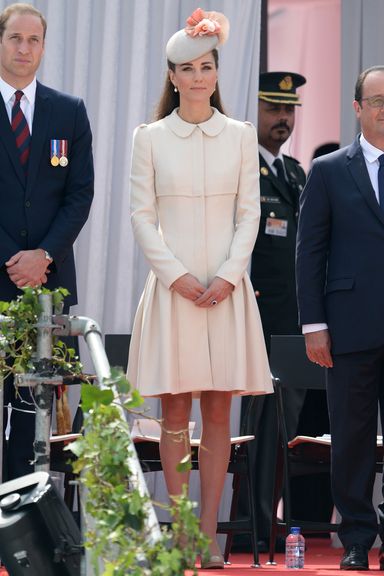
170, 99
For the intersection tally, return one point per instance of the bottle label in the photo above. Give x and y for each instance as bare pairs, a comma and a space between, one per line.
294, 554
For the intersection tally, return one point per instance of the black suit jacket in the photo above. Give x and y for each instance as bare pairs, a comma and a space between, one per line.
273, 257
48, 208
340, 248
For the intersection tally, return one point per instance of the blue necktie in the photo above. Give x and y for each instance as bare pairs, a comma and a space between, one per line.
380, 180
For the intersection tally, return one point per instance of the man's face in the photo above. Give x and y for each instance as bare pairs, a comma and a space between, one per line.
370, 111
275, 124
21, 49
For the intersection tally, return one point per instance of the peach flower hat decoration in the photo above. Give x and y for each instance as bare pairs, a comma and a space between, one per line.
204, 32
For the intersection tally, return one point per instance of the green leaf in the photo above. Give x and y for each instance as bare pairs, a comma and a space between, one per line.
185, 464
3, 307
91, 396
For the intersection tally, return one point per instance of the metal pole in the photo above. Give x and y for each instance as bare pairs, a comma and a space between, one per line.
3, 319
81, 325
44, 392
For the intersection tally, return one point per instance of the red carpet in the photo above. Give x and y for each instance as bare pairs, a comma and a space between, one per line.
320, 560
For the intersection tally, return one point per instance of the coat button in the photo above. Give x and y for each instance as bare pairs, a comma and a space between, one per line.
27, 204
272, 214
23, 233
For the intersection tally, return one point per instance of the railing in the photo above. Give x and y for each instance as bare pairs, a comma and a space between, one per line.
49, 325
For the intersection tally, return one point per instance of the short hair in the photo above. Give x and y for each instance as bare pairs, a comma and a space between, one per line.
20, 9
361, 79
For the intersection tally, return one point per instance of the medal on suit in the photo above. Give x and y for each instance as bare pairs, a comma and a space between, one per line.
264, 171
63, 153
54, 153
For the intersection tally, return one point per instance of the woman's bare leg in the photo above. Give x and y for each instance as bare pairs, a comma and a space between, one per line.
213, 458
174, 439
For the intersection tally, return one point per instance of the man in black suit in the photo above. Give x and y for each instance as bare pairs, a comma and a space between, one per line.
46, 185
340, 282
273, 270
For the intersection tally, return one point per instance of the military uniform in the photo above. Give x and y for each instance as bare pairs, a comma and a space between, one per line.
273, 277
273, 257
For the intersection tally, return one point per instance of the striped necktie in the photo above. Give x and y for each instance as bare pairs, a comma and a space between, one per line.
380, 179
21, 130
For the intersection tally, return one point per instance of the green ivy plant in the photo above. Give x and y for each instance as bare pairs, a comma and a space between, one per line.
118, 535
19, 336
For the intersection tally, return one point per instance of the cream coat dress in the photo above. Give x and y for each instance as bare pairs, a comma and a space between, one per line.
195, 208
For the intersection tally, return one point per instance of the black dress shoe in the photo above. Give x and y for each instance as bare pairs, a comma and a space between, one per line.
355, 558
381, 557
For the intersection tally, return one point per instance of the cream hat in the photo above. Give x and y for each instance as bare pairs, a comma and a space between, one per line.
204, 32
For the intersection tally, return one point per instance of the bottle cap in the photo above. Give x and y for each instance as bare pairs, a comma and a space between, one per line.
295, 530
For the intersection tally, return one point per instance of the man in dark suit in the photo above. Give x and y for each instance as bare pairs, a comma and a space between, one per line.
46, 185
273, 270
340, 282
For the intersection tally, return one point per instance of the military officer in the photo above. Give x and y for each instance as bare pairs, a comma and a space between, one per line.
273, 268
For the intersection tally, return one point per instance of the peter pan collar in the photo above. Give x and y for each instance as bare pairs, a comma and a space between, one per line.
211, 127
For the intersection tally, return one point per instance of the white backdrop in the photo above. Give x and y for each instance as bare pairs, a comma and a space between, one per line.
112, 54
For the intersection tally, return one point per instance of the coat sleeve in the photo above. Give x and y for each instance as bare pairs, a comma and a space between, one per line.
312, 248
144, 216
247, 216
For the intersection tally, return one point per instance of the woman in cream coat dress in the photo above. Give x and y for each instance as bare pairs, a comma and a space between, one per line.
195, 213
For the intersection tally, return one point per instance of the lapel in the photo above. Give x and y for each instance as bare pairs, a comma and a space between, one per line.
358, 168
266, 172
8, 139
41, 119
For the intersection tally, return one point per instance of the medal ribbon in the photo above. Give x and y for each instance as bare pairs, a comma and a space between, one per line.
54, 148
63, 148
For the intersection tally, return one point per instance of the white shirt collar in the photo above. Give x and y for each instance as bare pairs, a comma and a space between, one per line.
269, 157
371, 153
7, 91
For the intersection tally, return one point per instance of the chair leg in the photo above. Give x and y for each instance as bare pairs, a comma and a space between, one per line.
232, 514
253, 514
279, 471
69, 490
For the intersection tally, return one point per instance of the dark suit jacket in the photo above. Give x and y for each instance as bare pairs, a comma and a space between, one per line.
273, 257
48, 208
340, 272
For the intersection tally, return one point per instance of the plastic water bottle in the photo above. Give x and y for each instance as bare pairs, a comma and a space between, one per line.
294, 549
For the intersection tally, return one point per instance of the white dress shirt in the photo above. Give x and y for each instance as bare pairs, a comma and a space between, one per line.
270, 158
27, 102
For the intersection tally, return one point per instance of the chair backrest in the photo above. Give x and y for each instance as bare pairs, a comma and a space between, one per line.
289, 363
117, 349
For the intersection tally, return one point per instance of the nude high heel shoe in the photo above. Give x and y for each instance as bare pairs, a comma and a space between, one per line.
214, 562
